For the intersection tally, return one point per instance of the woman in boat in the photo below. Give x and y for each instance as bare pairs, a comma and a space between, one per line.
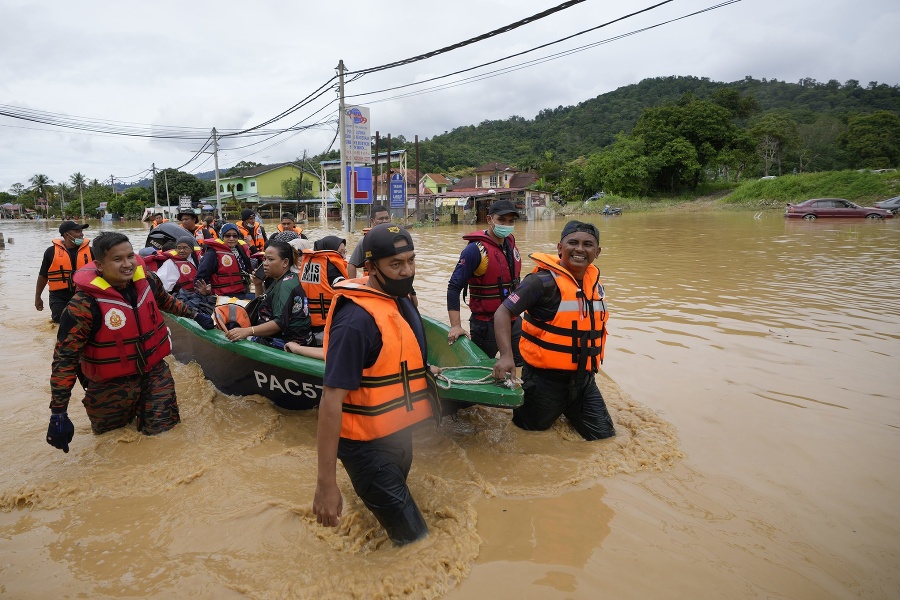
320, 270
283, 311
180, 270
226, 266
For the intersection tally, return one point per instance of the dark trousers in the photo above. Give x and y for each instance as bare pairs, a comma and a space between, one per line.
378, 471
150, 398
482, 333
58, 300
549, 394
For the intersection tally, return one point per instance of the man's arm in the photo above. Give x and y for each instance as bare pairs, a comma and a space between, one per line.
469, 261
167, 302
328, 504
357, 259
503, 335
38, 290
75, 326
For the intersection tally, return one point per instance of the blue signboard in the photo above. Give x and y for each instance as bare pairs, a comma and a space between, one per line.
398, 191
359, 181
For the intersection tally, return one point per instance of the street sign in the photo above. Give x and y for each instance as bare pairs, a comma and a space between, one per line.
360, 183
398, 191
184, 202
357, 136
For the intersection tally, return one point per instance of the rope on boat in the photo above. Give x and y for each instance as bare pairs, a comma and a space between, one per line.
511, 382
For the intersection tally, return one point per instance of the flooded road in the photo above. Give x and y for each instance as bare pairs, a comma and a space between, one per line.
751, 372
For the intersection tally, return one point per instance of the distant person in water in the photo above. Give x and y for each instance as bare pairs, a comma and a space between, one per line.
563, 335
113, 338
69, 252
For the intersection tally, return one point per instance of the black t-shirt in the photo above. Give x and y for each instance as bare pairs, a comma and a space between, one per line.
538, 294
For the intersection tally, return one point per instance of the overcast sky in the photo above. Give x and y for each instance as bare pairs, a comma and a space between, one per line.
233, 65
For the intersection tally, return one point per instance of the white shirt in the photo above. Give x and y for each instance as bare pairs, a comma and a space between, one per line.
169, 274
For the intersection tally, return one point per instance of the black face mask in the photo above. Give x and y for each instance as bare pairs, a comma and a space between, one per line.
399, 288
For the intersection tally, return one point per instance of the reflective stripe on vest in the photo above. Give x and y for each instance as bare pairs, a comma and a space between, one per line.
227, 279
393, 392
575, 338
314, 279
59, 275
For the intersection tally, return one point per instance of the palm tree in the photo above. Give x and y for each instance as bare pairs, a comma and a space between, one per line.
78, 181
39, 182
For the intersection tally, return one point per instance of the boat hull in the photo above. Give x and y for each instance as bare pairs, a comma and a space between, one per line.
294, 382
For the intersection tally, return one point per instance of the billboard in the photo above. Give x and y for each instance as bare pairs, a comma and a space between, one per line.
357, 137
398, 191
359, 183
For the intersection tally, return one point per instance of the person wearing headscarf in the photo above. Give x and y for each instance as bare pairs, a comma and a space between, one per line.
261, 282
180, 269
320, 270
225, 266
563, 305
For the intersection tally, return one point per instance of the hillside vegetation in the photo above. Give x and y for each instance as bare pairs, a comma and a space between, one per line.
863, 188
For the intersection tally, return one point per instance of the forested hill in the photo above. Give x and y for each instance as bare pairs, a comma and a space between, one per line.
573, 131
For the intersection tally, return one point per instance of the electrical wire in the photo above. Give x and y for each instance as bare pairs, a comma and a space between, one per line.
482, 37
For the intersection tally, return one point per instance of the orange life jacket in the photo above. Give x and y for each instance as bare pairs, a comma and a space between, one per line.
187, 271
314, 279
256, 236
577, 333
59, 276
488, 291
204, 233
393, 393
130, 340
158, 222
296, 228
227, 279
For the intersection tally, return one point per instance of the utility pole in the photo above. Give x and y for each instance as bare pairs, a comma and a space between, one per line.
216, 158
112, 184
341, 117
418, 177
155, 196
166, 181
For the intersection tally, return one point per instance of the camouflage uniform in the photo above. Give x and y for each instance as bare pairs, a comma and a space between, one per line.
114, 403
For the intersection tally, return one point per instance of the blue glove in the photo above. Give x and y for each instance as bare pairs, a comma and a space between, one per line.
205, 321
60, 432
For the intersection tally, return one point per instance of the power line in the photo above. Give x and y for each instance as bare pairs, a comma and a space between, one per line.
482, 37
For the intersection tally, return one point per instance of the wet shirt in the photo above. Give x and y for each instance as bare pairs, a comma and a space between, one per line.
537, 294
77, 325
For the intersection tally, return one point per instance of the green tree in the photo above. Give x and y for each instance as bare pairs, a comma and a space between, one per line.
78, 182
873, 140
40, 185
182, 184
776, 133
622, 168
244, 165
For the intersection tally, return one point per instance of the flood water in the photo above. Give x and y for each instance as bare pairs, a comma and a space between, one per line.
751, 372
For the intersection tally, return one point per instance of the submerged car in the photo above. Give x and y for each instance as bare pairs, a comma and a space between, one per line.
891, 204
833, 207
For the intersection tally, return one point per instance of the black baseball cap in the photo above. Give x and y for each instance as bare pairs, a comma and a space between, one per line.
67, 226
381, 239
503, 207
578, 226
246, 214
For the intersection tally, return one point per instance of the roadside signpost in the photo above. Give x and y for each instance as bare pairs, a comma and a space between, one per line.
398, 191
360, 179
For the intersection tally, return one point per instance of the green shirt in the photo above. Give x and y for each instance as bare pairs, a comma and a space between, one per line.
286, 304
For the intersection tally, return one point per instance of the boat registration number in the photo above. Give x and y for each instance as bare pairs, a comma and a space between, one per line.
265, 381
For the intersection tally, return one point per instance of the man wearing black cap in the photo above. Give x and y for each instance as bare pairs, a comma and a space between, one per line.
68, 253
375, 389
563, 335
191, 222
489, 267
253, 233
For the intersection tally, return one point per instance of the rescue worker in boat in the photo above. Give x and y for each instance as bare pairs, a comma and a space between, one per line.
288, 223
190, 221
320, 270
283, 311
67, 254
489, 267
154, 258
375, 389
563, 335
113, 338
158, 220
180, 269
380, 214
252, 231
225, 268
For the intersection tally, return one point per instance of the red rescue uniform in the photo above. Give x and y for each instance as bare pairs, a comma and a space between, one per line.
576, 336
59, 275
130, 340
393, 392
487, 291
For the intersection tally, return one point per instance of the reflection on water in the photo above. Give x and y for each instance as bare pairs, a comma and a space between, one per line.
722, 326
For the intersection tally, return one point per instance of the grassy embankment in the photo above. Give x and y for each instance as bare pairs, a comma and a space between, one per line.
864, 188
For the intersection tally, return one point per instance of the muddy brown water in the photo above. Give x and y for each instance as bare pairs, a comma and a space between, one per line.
751, 371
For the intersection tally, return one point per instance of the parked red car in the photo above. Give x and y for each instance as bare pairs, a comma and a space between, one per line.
833, 207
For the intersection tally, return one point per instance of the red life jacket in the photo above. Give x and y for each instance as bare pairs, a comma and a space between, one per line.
487, 291
393, 392
187, 271
314, 279
59, 275
227, 279
154, 261
130, 340
574, 339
